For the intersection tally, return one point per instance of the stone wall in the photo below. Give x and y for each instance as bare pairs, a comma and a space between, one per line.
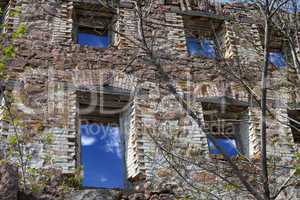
51, 68
8, 181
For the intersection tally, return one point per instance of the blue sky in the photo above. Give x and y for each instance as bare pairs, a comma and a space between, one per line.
228, 145
203, 48
277, 59
93, 40
102, 158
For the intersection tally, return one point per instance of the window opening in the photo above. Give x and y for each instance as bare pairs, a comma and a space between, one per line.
295, 127
202, 33
93, 26
102, 155
93, 37
277, 59
229, 146
102, 138
228, 123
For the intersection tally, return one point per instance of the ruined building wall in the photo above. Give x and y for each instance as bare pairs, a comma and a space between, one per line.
50, 69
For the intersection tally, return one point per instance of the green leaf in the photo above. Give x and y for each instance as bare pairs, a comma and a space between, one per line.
12, 140
19, 32
9, 51
2, 67
48, 138
297, 172
297, 155
29, 157
16, 12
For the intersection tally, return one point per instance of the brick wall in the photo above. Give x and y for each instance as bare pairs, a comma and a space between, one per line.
61, 67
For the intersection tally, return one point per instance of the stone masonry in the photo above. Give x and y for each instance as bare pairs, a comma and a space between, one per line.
50, 71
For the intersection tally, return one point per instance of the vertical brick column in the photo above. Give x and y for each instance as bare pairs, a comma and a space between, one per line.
127, 26
254, 133
63, 24
230, 41
176, 35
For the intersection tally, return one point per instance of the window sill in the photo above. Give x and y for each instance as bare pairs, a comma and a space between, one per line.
201, 57
91, 47
102, 189
221, 157
77, 46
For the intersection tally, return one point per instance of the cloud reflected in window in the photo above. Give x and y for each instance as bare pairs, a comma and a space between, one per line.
204, 48
229, 146
277, 59
93, 40
102, 158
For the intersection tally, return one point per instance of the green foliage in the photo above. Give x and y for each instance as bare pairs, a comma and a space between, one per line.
74, 181
12, 140
297, 172
18, 150
230, 187
9, 51
186, 198
16, 12
297, 156
2, 67
20, 32
47, 138
3, 162
47, 159
297, 164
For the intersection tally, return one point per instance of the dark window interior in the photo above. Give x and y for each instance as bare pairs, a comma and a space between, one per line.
92, 25
203, 35
3, 7
295, 115
202, 5
276, 41
171, 2
228, 124
277, 55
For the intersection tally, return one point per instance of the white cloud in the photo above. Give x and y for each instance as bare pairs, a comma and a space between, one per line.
103, 179
87, 141
112, 143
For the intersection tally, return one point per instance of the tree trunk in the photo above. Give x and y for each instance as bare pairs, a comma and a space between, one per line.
263, 131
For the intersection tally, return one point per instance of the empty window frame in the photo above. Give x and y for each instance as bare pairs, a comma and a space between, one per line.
102, 153
3, 12
276, 55
202, 36
204, 5
229, 126
276, 48
92, 26
102, 143
294, 116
